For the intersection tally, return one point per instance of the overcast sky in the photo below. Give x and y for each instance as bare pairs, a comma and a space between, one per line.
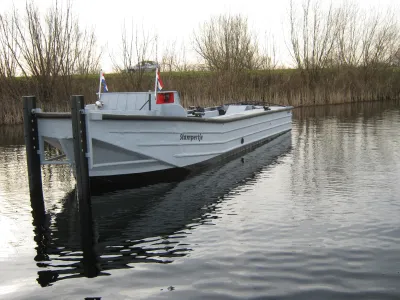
175, 20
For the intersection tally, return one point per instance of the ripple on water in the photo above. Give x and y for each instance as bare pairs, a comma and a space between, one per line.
313, 215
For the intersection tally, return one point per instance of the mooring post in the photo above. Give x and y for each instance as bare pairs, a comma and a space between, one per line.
33, 158
83, 185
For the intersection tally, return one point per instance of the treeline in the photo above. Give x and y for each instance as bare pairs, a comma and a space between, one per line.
339, 54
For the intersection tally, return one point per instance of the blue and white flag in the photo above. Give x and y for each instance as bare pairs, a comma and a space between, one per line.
103, 83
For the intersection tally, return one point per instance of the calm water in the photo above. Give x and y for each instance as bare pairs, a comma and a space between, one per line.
312, 215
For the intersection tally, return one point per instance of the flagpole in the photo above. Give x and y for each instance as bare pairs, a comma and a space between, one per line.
100, 84
155, 87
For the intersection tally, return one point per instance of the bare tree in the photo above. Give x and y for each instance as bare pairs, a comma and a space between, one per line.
365, 38
349, 41
8, 61
138, 46
169, 58
313, 35
48, 48
226, 44
173, 59
267, 58
384, 41
8, 58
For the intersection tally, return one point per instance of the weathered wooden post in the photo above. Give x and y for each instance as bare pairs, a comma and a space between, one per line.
83, 185
33, 158
40, 219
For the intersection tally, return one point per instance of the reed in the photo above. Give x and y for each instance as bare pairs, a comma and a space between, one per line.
287, 87
11, 135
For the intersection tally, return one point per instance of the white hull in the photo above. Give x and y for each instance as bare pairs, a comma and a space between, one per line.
121, 144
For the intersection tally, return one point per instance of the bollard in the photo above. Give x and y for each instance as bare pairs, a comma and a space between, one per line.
33, 159
83, 186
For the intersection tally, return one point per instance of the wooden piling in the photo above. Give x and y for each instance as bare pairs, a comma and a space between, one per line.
83, 185
80, 148
33, 158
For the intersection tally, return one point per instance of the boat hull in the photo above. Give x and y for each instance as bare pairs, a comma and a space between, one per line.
122, 145
136, 180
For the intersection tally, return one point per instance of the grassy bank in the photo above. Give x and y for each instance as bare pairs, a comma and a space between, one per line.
293, 87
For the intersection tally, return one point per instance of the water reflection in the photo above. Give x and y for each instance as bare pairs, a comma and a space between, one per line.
147, 224
322, 223
340, 146
344, 112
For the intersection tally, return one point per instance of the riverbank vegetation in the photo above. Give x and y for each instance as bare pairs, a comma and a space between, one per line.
339, 54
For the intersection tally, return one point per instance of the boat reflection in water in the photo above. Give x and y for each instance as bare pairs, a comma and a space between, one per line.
145, 224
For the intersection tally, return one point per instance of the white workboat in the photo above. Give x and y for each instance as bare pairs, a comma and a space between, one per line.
131, 133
